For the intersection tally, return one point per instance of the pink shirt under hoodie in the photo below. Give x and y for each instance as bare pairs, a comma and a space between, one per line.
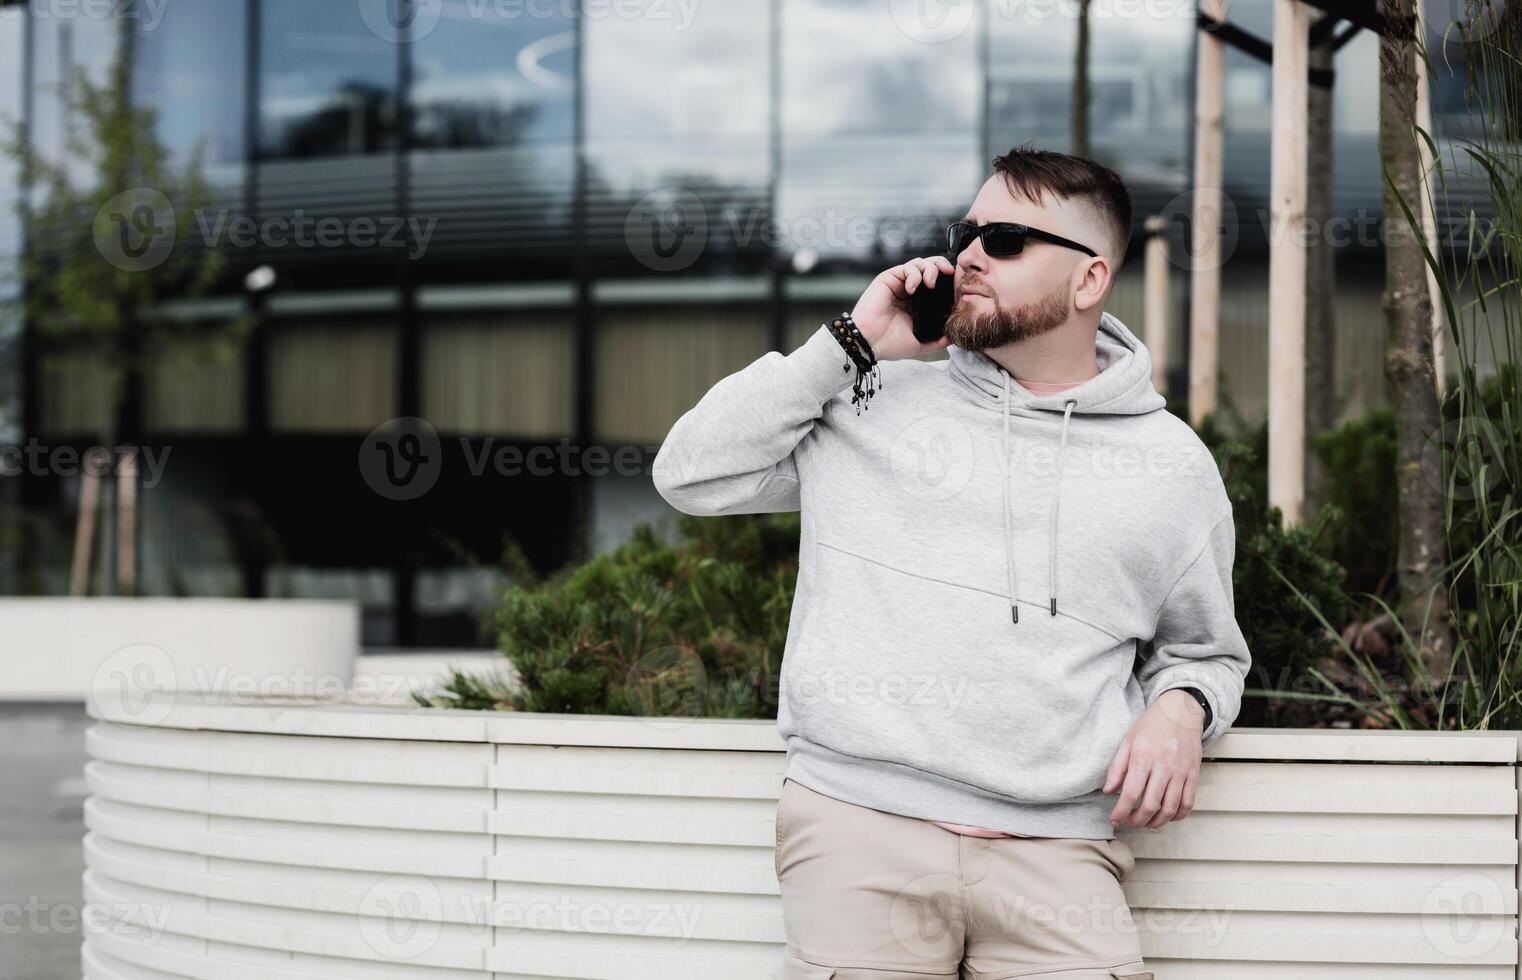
1038, 388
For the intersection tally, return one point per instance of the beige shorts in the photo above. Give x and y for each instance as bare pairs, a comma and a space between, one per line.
869, 895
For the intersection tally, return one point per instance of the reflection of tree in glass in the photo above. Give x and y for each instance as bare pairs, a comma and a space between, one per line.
360, 118
471, 122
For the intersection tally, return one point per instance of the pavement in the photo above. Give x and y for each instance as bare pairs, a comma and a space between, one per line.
41, 834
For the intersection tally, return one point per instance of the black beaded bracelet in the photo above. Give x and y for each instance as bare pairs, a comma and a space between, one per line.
850, 337
863, 367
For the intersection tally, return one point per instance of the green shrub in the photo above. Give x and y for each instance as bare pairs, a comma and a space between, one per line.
651, 629
1358, 458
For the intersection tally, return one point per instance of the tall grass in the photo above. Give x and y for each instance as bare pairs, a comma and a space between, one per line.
1477, 454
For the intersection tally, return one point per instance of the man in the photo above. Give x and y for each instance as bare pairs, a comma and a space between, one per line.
971, 670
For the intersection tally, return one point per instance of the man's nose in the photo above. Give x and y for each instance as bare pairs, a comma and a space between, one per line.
972, 260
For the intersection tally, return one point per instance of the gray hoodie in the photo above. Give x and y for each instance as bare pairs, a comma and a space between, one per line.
993, 585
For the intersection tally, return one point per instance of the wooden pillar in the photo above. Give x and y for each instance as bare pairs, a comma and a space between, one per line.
1156, 315
1286, 261
1205, 250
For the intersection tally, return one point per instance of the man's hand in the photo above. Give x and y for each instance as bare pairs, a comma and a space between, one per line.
1158, 764
883, 316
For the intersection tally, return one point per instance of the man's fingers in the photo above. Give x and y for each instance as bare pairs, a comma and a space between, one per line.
1186, 799
894, 279
1130, 792
1171, 795
1117, 770
1151, 798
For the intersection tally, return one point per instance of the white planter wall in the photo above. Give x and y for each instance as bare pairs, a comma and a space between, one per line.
314, 841
60, 649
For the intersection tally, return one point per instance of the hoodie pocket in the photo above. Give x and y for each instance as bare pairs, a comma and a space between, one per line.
908, 667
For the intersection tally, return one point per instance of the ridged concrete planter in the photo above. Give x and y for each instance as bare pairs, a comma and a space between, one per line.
241, 841
63, 649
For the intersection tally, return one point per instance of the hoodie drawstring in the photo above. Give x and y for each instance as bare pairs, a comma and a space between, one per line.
1009, 541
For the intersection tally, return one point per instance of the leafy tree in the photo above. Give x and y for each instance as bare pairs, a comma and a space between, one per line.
104, 254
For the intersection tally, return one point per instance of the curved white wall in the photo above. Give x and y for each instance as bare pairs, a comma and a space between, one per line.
291, 841
59, 649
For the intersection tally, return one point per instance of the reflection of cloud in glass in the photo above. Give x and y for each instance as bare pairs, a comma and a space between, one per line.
531, 57
494, 85
639, 72
850, 68
281, 107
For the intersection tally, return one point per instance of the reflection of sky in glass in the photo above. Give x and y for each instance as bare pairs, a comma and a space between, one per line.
880, 129
490, 79
309, 53
651, 79
59, 45
1138, 76
191, 69
849, 67
679, 103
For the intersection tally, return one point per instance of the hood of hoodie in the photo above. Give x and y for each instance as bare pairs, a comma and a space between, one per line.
1122, 387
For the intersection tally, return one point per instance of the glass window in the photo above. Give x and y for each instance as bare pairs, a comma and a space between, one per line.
332, 376
194, 385
678, 136
327, 81
880, 116
1138, 69
655, 362
492, 111
190, 68
503, 374
60, 46
76, 390
493, 75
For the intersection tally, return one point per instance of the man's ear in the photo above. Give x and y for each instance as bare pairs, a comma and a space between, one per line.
1094, 284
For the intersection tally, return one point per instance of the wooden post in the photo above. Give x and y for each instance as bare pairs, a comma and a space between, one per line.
126, 524
84, 532
1428, 213
1205, 251
1286, 262
1156, 318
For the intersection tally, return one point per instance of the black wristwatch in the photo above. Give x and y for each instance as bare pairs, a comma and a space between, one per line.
1194, 692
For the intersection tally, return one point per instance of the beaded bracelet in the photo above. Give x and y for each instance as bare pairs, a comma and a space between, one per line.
860, 351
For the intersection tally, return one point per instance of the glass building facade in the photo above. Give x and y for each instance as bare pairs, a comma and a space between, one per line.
556, 226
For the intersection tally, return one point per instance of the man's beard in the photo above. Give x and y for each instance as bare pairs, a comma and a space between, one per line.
973, 329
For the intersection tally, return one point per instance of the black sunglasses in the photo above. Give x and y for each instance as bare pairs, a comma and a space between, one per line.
1002, 238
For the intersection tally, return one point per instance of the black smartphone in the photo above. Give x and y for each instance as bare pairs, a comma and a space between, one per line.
931, 306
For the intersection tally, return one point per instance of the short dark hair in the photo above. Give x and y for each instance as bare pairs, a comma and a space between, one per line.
1029, 173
